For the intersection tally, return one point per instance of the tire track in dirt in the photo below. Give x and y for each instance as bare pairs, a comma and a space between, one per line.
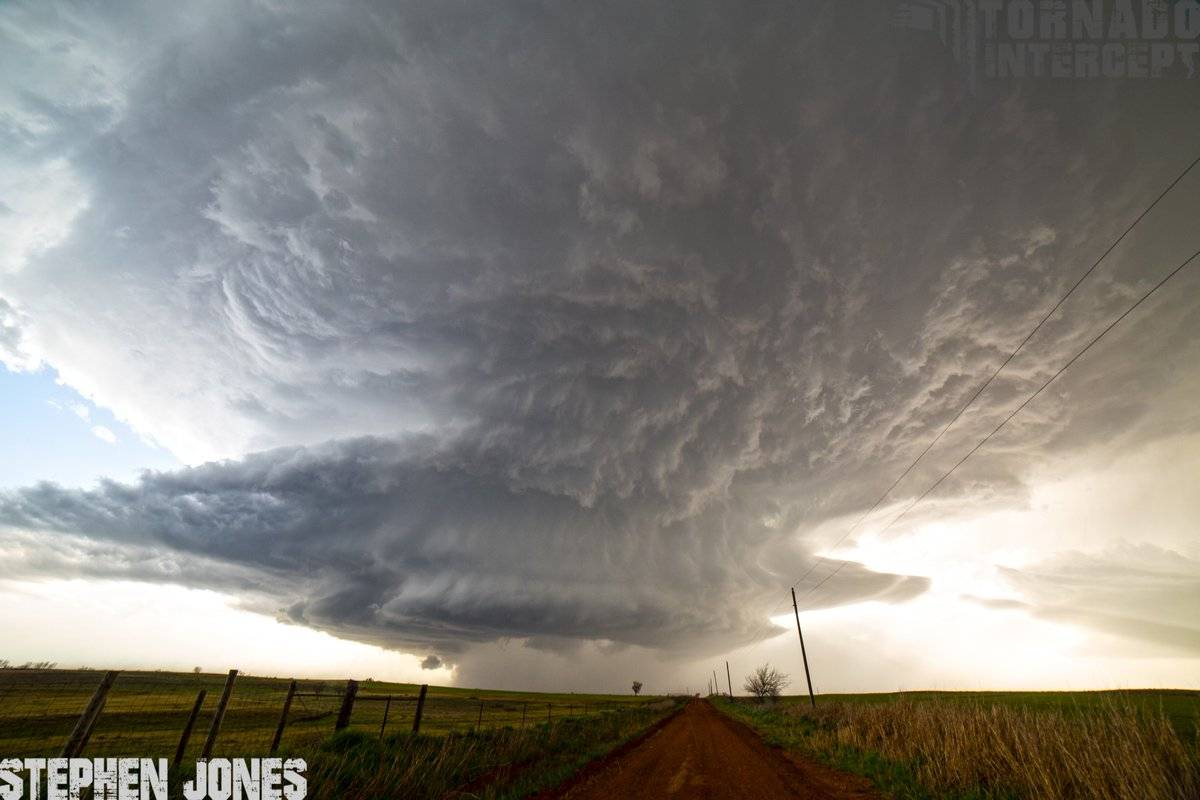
700, 754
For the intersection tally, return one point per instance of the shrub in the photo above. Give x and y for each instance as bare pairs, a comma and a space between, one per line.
766, 682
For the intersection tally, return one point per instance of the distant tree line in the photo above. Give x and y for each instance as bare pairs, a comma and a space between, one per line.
6, 664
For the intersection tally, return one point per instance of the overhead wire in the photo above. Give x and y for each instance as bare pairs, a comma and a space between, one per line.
1043, 388
987, 383
1004, 422
1004, 364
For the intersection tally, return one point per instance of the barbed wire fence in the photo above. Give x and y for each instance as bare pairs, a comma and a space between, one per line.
40, 708
93, 713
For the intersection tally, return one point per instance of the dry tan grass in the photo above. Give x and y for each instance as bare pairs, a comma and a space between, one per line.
1110, 753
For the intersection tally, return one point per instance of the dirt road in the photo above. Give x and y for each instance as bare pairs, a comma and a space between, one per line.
701, 753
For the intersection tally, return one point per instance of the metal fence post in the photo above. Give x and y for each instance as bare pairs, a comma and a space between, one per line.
187, 729
479, 722
420, 708
219, 715
524, 708
343, 719
87, 720
287, 706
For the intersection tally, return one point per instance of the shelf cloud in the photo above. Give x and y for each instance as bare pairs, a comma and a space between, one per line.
400, 546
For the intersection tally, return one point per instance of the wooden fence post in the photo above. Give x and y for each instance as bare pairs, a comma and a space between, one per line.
479, 722
420, 708
387, 706
87, 720
219, 715
287, 706
343, 719
187, 729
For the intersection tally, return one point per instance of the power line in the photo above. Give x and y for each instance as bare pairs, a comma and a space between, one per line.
767, 620
1043, 387
1041, 323
1004, 364
824, 580
833, 573
1017, 410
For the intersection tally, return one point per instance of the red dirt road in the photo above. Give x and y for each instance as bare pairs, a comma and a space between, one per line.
700, 754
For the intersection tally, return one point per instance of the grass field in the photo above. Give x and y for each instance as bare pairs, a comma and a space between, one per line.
500, 764
1126, 745
1180, 706
146, 711
913, 745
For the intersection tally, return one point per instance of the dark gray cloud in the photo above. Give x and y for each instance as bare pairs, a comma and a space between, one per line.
520, 321
402, 546
431, 662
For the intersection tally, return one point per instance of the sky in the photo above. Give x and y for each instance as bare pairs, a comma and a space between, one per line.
545, 347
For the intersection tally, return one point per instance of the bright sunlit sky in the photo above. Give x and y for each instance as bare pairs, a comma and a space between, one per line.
545, 347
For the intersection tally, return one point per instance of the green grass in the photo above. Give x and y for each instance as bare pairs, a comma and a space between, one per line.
493, 764
146, 711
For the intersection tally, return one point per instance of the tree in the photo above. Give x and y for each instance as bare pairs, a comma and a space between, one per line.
637, 687
766, 682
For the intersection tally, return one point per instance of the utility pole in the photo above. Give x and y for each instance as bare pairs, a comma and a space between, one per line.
716, 683
729, 680
804, 655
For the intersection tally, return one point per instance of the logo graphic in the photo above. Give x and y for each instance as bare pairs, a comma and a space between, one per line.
1057, 39
147, 779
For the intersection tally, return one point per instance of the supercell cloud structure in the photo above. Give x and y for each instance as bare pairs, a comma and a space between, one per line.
491, 321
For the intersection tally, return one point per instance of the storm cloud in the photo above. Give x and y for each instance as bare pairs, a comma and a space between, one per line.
514, 321
395, 545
